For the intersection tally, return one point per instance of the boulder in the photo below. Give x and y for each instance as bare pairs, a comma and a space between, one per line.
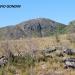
69, 51
3, 61
69, 62
47, 52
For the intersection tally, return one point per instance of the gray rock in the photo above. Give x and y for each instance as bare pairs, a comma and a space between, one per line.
47, 52
69, 62
3, 61
69, 51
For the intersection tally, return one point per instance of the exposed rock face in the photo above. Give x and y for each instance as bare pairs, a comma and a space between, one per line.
39, 27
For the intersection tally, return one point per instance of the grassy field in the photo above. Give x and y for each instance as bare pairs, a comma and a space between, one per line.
52, 66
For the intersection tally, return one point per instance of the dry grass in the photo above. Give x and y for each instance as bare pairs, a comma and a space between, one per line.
30, 44
35, 43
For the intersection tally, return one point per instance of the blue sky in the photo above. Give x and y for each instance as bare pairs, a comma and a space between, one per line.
59, 10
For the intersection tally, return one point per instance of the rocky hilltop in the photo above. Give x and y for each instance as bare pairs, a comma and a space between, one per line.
39, 27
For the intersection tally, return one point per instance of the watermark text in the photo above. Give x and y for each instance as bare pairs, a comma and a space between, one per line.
10, 6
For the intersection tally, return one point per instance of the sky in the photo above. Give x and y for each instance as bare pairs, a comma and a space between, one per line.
62, 11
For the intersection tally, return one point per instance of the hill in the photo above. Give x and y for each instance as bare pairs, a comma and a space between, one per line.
40, 27
70, 27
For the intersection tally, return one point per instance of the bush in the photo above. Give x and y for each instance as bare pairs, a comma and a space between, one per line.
25, 61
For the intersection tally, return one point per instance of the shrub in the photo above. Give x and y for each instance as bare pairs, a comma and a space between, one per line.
25, 61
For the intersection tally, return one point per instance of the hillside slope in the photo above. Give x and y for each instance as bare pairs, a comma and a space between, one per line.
70, 27
39, 27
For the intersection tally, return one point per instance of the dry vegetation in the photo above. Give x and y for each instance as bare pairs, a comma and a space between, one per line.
52, 66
